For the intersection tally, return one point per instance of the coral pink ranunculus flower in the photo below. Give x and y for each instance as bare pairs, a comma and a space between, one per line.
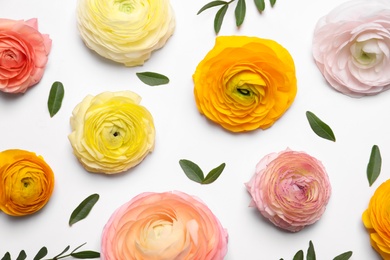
23, 54
169, 225
351, 46
290, 188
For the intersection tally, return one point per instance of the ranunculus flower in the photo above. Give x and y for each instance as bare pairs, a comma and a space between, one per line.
245, 83
26, 182
111, 132
169, 225
23, 54
290, 188
125, 31
351, 47
376, 219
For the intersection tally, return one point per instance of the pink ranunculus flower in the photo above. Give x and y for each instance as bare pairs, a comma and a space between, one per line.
169, 225
23, 54
290, 188
351, 46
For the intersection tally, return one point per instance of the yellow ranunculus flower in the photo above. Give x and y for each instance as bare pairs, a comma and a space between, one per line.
245, 83
111, 132
376, 219
26, 182
125, 31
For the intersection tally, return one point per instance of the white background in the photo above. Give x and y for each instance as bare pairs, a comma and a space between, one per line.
182, 133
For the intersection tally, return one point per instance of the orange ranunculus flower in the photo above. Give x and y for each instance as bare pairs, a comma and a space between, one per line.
26, 182
245, 83
376, 219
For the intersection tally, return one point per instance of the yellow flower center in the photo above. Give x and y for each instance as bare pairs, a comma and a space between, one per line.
246, 87
125, 6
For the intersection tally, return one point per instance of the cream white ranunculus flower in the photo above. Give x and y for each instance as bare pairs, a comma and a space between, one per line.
351, 47
111, 132
125, 31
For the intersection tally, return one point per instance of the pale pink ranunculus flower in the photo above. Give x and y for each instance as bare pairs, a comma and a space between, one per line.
351, 47
23, 54
162, 226
291, 189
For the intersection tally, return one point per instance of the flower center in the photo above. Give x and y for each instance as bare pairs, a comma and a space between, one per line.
125, 6
26, 182
367, 54
245, 87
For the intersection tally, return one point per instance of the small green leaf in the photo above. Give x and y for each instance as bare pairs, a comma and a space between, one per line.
192, 170
74, 250
311, 255
344, 256
374, 165
7, 256
86, 254
22, 255
214, 174
211, 4
41, 254
319, 127
219, 18
63, 251
152, 78
298, 255
240, 12
272, 2
55, 98
83, 209
260, 5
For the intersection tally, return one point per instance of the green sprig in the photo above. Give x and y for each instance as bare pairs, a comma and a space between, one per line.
240, 11
311, 254
43, 252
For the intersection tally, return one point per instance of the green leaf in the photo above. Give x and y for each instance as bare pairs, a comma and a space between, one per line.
192, 170
260, 5
374, 165
298, 255
211, 4
63, 251
22, 255
83, 209
311, 255
214, 174
344, 256
219, 18
152, 78
86, 254
7, 256
55, 98
74, 250
319, 127
41, 253
240, 12
272, 2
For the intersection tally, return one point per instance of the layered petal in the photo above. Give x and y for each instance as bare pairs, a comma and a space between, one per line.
376, 219
111, 132
26, 182
351, 47
162, 226
125, 31
291, 189
23, 54
245, 83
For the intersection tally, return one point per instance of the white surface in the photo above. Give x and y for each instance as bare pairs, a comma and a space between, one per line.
181, 132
